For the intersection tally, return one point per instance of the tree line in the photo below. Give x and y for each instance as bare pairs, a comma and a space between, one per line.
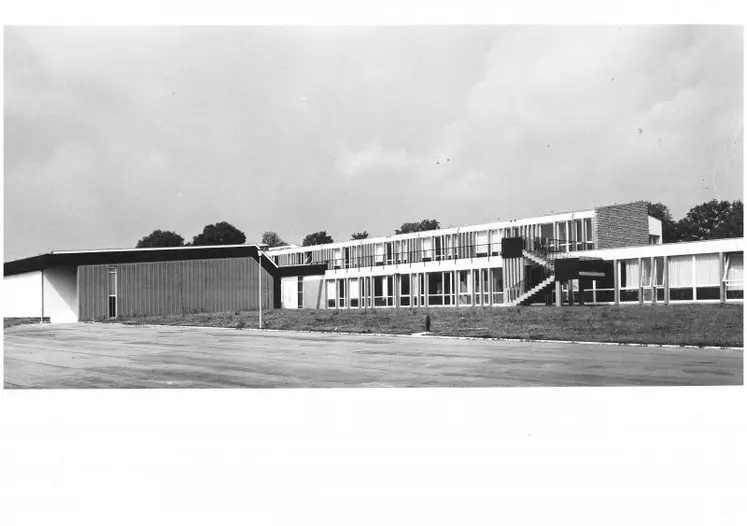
711, 220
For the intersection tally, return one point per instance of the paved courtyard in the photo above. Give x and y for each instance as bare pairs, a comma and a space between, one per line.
118, 356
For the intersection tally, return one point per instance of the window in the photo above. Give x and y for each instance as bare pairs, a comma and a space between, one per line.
300, 292
707, 283
379, 299
630, 279
404, 290
589, 234
680, 278
481, 242
440, 288
337, 257
307, 258
439, 248
465, 288
379, 254
734, 276
342, 293
646, 277
659, 275
112, 292
496, 276
389, 258
427, 248
355, 292
331, 294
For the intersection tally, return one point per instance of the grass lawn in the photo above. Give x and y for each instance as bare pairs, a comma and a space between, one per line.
11, 322
705, 324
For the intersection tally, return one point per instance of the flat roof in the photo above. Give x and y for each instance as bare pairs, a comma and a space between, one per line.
113, 256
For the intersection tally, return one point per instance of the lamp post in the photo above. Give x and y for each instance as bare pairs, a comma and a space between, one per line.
260, 248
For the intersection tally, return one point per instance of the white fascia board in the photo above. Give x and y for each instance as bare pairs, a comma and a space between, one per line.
668, 249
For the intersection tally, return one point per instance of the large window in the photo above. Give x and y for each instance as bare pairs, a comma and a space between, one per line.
646, 279
404, 290
481, 240
465, 287
331, 294
354, 292
630, 280
659, 278
707, 282
734, 276
496, 277
427, 248
680, 278
300, 292
440, 288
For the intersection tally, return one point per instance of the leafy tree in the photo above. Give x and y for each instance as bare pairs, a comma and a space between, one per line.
317, 238
421, 226
359, 235
712, 220
161, 238
219, 234
272, 239
669, 227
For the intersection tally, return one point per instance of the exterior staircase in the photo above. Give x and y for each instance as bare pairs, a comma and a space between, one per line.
541, 286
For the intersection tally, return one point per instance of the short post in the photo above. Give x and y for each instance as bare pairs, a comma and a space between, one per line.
427, 323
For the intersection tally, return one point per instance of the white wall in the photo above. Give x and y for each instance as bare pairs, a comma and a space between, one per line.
61, 294
654, 228
22, 295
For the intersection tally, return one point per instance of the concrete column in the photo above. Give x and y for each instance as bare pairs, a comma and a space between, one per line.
426, 288
640, 281
570, 292
666, 280
722, 285
558, 294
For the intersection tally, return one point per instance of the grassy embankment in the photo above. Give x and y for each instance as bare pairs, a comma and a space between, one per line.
711, 324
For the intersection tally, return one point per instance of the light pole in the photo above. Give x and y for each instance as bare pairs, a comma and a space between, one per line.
260, 248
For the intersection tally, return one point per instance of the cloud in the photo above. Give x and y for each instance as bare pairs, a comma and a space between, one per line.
373, 158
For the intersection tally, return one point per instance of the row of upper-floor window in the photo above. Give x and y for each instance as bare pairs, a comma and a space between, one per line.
565, 236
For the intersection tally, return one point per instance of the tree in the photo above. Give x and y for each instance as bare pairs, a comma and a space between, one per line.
219, 234
421, 226
669, 228
271, 239
317, 238
712, 220
359, 235
161, 238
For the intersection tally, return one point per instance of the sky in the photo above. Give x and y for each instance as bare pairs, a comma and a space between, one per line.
111, 133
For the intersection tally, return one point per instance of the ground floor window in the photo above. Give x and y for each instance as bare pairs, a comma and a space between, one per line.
355, 292
331, 294
465, 288
300, 292
440, 288
734, 276
496, 282
404, 290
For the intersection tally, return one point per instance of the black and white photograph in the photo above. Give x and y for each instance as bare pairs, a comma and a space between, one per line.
346, 263
447, 206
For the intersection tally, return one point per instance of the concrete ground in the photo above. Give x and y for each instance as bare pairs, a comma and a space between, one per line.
119, 356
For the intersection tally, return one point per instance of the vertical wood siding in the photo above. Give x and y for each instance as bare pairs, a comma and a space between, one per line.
174, 287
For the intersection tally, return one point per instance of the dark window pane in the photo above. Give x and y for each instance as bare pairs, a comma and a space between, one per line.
708, 293
681, 294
